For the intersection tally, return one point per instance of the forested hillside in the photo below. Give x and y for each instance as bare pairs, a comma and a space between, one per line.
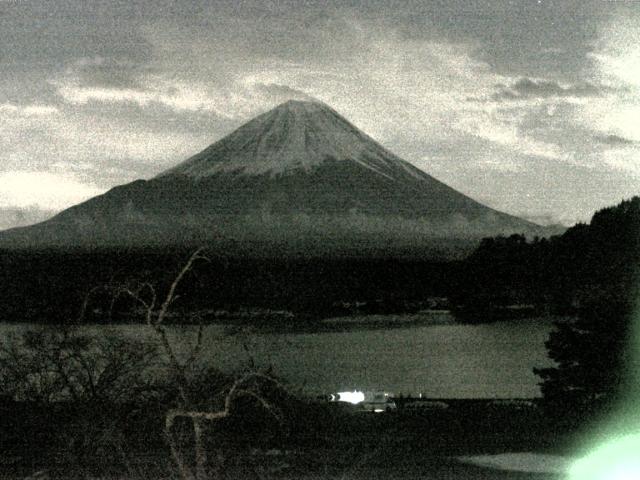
599, 260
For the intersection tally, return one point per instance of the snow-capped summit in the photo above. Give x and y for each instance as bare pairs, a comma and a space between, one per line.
296, 135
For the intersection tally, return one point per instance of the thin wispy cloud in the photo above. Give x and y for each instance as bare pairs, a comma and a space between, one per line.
614, 140
525, 88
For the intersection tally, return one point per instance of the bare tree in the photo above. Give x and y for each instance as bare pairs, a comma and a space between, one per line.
97, 378
248, 385
60, 363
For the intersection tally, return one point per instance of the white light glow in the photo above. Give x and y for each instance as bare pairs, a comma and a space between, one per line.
617, 460
354, 397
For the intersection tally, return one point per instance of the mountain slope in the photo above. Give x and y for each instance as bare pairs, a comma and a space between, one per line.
299, 173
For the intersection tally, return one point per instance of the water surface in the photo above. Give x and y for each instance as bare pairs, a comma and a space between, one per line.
443, 360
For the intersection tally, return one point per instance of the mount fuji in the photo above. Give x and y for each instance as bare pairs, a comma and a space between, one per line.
298, 177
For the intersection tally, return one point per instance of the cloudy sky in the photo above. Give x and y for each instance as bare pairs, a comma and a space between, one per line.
532, 107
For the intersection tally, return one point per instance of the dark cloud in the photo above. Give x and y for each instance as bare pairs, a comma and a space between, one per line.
108, 73
156, 117
24, 89
533, 88
525, 38
530, 38
45, 39
614, 140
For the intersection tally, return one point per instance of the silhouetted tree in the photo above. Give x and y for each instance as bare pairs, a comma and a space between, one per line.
590, 352
596, 267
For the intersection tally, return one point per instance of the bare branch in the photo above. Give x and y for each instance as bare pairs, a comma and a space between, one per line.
169, 419
200, 451
197, 255
268, 406
87, 299
236, 392
195, 351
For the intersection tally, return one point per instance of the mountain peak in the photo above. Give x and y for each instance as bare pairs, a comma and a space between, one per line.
296, 135
303, 109
302, 105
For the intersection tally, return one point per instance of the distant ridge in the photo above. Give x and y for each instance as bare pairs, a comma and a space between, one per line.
299, 176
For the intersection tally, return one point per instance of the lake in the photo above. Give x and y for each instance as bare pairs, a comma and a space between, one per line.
438, 358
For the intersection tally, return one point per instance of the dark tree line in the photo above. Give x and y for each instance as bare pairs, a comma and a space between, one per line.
595, 261
49, 286
552, 275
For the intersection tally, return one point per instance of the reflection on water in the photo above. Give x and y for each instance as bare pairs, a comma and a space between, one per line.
439, 361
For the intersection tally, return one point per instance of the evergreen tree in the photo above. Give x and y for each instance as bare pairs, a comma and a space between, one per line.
590, 352
600, 263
